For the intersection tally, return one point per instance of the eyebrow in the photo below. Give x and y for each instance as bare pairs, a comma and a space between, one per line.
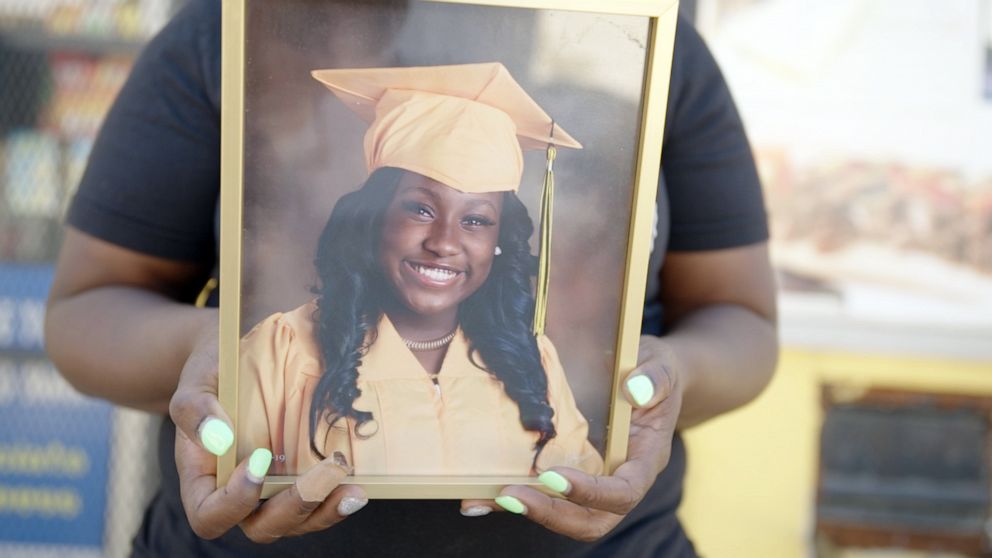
421, 189
472, 203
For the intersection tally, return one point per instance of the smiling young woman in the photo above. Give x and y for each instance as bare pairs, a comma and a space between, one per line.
437, 248
418, 355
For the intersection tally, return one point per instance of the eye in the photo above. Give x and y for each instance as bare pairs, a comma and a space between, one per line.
477, 221
418, 210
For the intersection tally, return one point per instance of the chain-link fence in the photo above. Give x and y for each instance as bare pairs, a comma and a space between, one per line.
75, 473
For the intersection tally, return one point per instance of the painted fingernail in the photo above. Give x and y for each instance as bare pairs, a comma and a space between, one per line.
511, 504
641, 389
216, 436
555, 482
350, 504
476, 511
258, 465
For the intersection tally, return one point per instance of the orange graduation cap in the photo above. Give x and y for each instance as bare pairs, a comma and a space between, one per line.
464, 126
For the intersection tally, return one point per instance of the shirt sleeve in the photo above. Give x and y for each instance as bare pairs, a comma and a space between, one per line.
264, 353
277, 373
714, 193
570, 446
152, 181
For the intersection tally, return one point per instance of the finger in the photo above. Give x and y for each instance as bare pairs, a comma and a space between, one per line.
213, 511
203, 420
652, 430
289, 509
616, 494
195, 410
558, 515
478, 508
342, 502
653, 379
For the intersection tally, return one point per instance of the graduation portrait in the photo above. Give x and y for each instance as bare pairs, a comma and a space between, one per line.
434, 231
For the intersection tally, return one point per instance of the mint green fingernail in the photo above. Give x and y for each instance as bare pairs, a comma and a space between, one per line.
258, 464
511, 504
216, 436
554, 481
641, 389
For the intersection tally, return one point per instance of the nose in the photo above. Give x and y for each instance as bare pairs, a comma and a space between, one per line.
443, 239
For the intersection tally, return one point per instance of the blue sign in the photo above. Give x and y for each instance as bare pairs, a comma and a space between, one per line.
54, 450
23, 290
54, 443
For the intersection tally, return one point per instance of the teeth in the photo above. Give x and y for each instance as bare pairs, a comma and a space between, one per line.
435, 274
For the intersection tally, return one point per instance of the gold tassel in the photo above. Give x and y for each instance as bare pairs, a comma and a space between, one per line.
204, 296
544, 256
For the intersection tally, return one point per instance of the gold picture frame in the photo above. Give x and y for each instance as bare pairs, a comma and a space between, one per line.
657, 19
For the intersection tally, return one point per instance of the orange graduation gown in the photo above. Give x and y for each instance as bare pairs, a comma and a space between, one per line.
471, 428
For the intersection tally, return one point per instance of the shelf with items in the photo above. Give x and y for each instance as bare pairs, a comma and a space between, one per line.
41, 40
77, 26
44, 155
64, 61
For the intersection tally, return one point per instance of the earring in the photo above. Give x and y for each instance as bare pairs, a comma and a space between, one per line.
498, 251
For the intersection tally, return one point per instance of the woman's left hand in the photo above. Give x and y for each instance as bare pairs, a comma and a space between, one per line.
592, 506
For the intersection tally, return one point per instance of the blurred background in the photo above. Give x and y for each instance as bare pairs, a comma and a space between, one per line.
872, 126
75, 473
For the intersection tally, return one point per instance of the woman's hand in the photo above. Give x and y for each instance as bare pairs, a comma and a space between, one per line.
595, 505
203, 431
719, 353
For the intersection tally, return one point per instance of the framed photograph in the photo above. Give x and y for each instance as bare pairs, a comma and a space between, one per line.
436, 219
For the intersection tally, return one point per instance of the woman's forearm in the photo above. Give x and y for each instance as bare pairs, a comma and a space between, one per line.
727, 355
124, 344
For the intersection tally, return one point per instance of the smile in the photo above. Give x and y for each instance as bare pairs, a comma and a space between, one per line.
434, 275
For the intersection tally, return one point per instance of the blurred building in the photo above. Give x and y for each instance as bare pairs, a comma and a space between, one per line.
65, 487
871, 124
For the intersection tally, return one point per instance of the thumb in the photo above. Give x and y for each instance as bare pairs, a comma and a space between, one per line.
202, 419
195, 409
652, 380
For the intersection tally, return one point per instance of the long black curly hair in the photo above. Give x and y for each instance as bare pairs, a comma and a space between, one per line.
496, 319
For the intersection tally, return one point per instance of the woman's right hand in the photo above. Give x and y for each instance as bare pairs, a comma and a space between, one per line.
203, 431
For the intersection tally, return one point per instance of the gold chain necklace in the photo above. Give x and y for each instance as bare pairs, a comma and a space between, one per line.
429, 345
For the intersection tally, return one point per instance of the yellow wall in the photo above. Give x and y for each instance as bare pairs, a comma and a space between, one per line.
751, 477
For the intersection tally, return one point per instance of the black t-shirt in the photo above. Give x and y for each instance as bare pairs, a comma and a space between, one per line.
152, 186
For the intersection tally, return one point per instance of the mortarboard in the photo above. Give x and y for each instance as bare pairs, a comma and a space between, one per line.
464, 126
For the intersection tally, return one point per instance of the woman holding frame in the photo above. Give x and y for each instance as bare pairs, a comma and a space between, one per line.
121, 326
